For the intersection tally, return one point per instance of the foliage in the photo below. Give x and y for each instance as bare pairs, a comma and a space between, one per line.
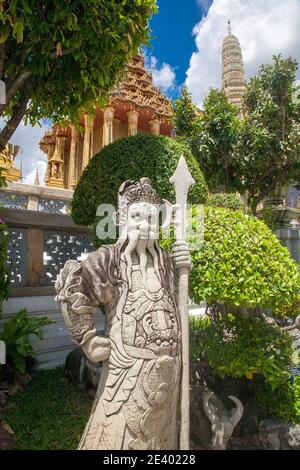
237, 347
288, 310
212, 139
227, 201
143, 155
283, 403
242, 263
269, 215
50, 414
267, 152
16, 333
61, 57
184, 113
259, 152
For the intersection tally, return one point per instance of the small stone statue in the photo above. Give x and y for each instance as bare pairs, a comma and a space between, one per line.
137, 402
222, 421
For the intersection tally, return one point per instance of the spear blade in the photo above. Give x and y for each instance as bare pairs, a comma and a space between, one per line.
182, 181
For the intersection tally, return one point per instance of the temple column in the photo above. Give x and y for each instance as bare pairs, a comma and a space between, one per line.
133, 117
116, 129
73, 157
50, 152
155, 126
88, 140
108, 119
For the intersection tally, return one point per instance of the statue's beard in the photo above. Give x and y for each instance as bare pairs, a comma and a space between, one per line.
141, 246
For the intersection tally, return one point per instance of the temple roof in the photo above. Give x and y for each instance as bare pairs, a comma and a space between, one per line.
7, 162
138, 90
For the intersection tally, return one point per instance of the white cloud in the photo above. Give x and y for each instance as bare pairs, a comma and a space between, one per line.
30, 157
204, 4
164, 77
264, 28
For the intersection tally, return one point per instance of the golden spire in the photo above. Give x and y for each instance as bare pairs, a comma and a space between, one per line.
37, 179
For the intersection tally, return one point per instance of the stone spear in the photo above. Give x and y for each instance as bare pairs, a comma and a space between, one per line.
182, 181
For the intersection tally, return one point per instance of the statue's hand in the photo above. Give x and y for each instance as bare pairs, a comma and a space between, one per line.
181, 255
97, 348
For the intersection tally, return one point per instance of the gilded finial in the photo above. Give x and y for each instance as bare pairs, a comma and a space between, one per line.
229, 26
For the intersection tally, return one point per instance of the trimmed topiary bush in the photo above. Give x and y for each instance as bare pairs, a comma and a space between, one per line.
242, 263
143, 155
243, 347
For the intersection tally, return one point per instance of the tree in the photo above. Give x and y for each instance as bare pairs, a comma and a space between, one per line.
212, 138
267, 152
242, 264
184, 113
57, 58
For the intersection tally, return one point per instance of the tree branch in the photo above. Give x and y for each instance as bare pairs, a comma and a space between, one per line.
21, 78
15, 86
16, 118
2, 59
69, 51
294, 326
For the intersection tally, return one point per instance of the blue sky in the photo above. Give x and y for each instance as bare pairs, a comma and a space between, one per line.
187, 50
172, 28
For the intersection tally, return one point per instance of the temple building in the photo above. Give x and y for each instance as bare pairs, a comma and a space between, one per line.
135, 105
7, 163
233, 70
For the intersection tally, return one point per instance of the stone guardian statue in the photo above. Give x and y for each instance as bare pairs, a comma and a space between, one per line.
137, 402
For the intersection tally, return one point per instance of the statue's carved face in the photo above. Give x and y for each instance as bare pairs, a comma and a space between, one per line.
142, 221
142, 232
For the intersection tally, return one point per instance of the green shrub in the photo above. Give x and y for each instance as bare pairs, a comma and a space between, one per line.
227, 201
271, 218
242, 263
16, 333
143, 155
237, 347
282, 404
288, 310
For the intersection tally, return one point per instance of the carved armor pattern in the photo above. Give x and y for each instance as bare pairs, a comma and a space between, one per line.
136, 403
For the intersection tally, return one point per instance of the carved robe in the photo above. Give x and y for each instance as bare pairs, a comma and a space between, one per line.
136, 405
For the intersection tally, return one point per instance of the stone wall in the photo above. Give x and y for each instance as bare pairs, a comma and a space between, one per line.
36, 198
290, 238
40, 244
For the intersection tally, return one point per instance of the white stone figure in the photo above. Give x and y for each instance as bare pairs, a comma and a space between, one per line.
222, 421
137, 402
293, 436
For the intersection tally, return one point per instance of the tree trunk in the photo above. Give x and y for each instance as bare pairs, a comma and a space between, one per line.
16, 118
17, 84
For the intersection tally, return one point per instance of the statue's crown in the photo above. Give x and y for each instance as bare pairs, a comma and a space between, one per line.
141, 191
